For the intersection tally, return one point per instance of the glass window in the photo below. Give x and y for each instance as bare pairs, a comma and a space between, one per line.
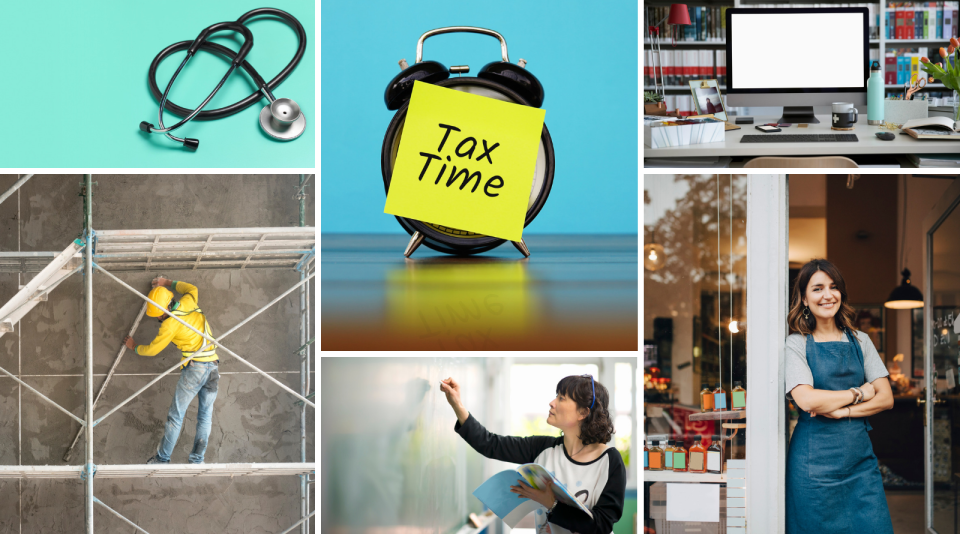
695, 262
532, 388
623, 421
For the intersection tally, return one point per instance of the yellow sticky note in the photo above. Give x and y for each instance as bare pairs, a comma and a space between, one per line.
465, 161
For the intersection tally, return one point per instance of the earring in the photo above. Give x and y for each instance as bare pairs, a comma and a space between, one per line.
806, 313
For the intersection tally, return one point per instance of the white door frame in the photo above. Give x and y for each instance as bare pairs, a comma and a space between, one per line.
767, 231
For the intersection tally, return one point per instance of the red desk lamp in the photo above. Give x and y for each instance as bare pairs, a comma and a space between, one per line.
678, 15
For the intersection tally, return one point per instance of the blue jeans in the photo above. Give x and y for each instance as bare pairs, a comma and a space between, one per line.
198, 379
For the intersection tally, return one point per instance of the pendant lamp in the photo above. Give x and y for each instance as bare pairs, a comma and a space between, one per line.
906, 296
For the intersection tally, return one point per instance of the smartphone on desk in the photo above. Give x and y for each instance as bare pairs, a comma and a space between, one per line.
768, 129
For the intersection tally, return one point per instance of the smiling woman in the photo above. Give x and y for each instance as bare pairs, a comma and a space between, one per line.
836, 378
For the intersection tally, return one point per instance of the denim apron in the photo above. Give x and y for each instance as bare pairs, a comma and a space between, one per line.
833, 483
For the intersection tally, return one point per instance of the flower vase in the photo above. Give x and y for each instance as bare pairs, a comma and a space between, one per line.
956, 106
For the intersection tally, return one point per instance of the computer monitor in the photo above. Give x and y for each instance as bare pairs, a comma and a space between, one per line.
797, 58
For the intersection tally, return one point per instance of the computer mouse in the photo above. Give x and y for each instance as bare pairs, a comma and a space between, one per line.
886, 136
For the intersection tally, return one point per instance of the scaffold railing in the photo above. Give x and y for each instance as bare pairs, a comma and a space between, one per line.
290, 248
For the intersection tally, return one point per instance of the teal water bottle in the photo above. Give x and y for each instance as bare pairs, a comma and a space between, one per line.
875, 95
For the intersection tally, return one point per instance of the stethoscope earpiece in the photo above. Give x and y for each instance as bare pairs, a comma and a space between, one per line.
283, 120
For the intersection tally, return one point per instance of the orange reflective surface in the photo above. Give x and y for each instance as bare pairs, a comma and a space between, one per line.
575, 292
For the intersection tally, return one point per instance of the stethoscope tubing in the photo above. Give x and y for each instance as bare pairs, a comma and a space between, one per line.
263, 88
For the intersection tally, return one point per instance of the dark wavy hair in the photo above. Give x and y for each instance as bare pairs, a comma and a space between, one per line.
845, 314
597, 427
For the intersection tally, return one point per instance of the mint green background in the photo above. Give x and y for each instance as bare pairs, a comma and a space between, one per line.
74, 84
679, 460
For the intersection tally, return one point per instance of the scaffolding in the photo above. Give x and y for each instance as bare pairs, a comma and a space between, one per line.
291, 248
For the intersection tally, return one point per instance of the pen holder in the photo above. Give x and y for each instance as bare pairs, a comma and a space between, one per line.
899, 111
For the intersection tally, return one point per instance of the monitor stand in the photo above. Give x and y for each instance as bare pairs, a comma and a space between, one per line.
798, 115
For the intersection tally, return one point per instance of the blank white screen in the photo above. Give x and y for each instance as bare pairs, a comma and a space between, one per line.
797, 50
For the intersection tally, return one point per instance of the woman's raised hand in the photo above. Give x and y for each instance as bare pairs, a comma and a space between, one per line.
452, 390
868, 391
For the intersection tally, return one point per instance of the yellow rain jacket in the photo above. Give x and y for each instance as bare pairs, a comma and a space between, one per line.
184, 338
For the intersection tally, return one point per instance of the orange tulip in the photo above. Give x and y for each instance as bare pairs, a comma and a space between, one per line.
930, 79
943, 52
924, 60
950, 49
954, 42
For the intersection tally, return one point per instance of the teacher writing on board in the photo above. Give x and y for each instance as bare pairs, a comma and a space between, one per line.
592, 471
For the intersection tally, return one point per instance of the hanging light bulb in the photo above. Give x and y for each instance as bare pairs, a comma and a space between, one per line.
653, 258
906, 296
733, 327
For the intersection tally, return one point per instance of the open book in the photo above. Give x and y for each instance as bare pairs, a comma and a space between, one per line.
937, 127
496, 494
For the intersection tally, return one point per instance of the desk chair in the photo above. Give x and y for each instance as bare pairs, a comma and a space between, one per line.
825, 162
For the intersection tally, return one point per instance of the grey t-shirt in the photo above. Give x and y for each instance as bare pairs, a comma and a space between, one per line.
798, 371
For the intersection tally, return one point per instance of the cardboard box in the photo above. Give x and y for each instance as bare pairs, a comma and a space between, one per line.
658, 513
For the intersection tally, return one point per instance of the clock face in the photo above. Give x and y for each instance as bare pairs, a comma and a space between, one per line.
539, 174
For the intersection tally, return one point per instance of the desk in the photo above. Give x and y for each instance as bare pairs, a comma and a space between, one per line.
575, 292
868, 144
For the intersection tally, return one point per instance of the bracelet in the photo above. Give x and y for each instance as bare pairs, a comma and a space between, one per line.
555, 501
857, 395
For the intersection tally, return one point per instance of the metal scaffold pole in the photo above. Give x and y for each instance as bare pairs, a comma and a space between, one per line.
305, 524
88, 288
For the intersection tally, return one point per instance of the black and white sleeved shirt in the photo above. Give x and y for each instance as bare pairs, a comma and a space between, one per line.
599, 484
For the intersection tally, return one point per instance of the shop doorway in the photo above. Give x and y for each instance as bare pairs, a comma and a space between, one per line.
940, 327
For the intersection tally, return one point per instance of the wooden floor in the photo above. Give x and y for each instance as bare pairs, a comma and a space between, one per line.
906, 512
575, 292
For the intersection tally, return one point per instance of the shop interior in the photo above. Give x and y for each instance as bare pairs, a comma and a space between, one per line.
695, 326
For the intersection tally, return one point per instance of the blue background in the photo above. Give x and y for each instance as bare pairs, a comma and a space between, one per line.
74, 84
585, 55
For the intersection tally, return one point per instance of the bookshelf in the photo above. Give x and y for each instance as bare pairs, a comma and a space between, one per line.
879, 47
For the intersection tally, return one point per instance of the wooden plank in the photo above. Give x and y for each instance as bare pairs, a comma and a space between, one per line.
718, 415
670, 476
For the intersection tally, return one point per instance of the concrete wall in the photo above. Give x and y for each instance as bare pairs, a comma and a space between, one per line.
254, 420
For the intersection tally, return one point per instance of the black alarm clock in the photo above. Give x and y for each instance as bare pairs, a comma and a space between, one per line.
498, 80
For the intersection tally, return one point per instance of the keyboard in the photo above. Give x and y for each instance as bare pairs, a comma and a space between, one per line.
821, 137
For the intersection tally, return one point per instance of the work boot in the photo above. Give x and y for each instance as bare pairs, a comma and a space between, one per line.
155, 460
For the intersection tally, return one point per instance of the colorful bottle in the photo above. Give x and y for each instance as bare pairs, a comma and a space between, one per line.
719, 399
738, 397
715, 458
646, 457
706, 399
656, 458
698, 456
669, 453
679, 458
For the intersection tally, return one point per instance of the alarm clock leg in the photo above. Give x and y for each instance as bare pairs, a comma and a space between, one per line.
523, 248
415, 242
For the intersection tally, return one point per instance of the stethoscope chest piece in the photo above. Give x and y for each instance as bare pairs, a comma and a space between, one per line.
283, 120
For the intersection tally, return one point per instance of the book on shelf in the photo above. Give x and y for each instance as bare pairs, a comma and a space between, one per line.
680, 66
707, 24
922, 20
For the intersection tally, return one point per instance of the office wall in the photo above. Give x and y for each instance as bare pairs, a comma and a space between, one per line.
391, 461
584, 54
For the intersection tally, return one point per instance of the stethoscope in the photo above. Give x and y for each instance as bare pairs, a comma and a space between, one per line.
282, 119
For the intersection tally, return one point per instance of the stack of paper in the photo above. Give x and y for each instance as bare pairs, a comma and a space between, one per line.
660, 132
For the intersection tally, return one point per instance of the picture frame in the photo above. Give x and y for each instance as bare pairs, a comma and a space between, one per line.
707, 98
871, 319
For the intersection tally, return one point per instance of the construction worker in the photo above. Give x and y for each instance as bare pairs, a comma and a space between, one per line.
199, 376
